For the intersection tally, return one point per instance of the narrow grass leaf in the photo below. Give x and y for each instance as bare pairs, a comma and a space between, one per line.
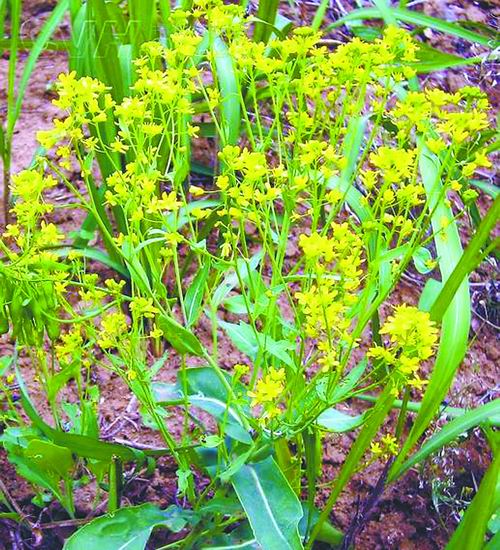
374, 419
385, 11
475, 417
470, 259
194, 295
37, 48
266, 12
419, 19
492, 190
320, 14
228, 84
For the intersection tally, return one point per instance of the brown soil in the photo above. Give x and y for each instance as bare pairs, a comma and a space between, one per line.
421, 510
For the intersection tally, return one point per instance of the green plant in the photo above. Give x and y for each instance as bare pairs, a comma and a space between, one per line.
15, 95
331, 150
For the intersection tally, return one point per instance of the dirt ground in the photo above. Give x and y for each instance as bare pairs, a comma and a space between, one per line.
421, 510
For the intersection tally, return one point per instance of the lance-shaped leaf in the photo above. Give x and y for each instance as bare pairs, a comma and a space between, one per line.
486, 414
456, 320
472, 527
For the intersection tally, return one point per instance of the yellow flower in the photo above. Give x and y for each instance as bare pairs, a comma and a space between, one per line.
70, 345
143, 307
155, 332
412, 330
113, 329
317, 246
118, 146
196, 191
386, 447
334, 196
167, 202
269, 388
222, 182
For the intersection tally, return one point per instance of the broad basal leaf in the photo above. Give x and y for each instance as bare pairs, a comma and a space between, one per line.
270, 504
128, 528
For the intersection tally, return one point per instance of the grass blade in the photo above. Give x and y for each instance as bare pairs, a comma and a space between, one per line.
470, 259
266, 12
418, 19
194, 295
473, 525
374, 419
37, 48
320, 15
228, 83
450, 431
385, 10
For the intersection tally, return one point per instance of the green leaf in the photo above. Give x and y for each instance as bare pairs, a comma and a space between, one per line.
470, 259
333, 420
136, 269
270, 504
320, 14
126, 529
456, 320
207, 392
243, 336
385, 11
240, 538
37, 48
431, 290
266, 15
81, 445
226, 417
492, 190
415, 18
181, 339
2, 142
194, 295
375, 418
347, 384
50, 457
230, 96
249, 342
93, 254
448, 433
421, 258
15, 441
472, 528
231, 280
431, 59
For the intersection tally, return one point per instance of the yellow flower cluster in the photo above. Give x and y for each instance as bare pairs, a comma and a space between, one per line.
143, 307
136, 191
70, 345
268, 393
456, 116
334, 264
248, 186
412, 339
30, 231
113, 330
385, 448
